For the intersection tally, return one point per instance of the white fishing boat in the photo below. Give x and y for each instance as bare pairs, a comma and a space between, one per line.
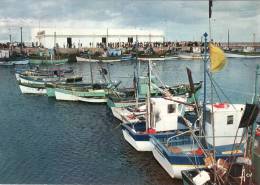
6, 63
235, 55
27, 80
102, 59
32, 90
41, 80
162, 117
194, 55
83, 59
183, 152
164, 58
164, 121
21, 62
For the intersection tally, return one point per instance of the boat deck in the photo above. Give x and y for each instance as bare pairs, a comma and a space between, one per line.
186, 148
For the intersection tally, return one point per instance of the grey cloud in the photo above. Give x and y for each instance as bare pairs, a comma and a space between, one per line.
128, 13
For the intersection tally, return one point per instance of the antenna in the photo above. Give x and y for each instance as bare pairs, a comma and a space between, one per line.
228, 39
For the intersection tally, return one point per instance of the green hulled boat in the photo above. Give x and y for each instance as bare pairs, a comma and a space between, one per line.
88, 95
48, 61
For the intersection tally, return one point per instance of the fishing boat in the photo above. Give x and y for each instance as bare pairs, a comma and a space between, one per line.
126, 103
109, 55
184, 152
21, 62
43, 73
104, 59
164, 121
219, 137
15, 60
43, 79
158, 58
238, 171
47, 61
194, 55
11, 62
51, 86
127, 97
162, 115
6, 63
38, 89
246, 55
92, 93
87, 95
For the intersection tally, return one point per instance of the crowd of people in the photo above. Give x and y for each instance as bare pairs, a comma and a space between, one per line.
147, 44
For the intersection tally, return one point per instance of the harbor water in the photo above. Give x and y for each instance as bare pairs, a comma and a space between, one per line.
47, 141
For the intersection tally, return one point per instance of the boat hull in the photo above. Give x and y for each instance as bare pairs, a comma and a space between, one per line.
234, 55
141, 146
31, 90
70, 97
190, 57
158, 58
6, 63
27, 81
173, 170
185, 154
50, 92
44, 61
21, 62
81, 59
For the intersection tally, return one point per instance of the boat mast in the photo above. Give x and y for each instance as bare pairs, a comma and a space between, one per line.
228, 39
254, 42
91, 73
205, 84
136, 81
21, 48
54, 44
204, 103
255, 100
148, 121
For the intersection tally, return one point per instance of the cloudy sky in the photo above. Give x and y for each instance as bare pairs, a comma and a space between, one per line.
180, 20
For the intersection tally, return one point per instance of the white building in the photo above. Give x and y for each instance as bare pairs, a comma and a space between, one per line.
90, 37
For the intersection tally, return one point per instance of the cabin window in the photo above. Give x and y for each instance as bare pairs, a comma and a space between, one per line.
230, 119
171, 108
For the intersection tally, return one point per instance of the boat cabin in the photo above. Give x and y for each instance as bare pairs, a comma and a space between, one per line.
226, 119
165, 114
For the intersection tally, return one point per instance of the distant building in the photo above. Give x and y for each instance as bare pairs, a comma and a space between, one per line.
4, 53
76, 38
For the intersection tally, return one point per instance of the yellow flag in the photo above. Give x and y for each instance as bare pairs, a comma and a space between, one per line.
217, 58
